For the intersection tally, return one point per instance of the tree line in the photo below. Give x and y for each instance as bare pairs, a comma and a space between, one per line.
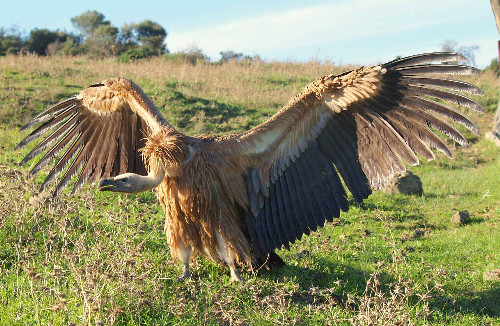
97, 37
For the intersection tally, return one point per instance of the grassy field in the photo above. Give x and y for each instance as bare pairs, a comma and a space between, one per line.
99, 258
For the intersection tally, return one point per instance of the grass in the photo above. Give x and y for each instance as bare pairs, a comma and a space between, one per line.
96, 258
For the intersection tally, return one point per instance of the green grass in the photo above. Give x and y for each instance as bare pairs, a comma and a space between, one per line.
103, 258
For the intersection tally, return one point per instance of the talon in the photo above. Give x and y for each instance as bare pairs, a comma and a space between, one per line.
236, 277
186, 274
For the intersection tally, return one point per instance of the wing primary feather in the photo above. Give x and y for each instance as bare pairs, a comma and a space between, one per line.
405, 116
140, 168
372, 157
125, 141
73, 149
103, 151
452, 84
334, 184
63, 105
110, 168
411, 138
432, 121
40, 147
370, 162
412, 132
425, 58
446, 69
346, 133
334, 151
72, 170
87, 138
447, 96
90, 163
53, 122
445, 111
394, 141
65, 139
133, 141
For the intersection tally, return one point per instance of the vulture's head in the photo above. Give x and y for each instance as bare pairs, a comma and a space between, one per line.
128, 182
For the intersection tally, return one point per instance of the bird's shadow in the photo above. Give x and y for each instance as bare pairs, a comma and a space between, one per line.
351, 280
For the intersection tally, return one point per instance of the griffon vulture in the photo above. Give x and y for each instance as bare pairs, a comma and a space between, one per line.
237, 198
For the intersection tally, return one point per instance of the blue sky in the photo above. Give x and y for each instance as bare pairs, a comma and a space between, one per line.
343, 31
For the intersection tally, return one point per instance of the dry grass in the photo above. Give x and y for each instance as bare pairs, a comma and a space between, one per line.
234, 84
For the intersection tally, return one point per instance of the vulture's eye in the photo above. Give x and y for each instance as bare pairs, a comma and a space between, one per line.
125, 180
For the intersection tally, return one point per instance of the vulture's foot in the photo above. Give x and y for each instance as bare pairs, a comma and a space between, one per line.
235, 276
269, 261
185, 274
184, 254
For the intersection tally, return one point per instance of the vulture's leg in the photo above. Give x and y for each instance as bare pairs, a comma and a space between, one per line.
228, 258
184, 254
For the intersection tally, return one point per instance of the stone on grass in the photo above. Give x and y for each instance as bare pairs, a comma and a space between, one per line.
493, 275
461, 218
405, 183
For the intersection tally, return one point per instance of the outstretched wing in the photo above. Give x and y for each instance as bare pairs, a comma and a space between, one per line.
361, 125
100, 132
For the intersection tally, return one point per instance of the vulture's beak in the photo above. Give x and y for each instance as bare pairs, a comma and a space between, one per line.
106, 184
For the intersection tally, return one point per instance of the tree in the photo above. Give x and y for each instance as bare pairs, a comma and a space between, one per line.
126, 37
466, 51
40, 39
102, 41
11, 41
231, 55
88, 22
151, 35
192, 55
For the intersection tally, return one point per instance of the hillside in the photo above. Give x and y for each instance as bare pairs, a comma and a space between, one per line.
103, 258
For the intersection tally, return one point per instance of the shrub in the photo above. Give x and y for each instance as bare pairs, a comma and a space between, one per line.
191, 55
136, 54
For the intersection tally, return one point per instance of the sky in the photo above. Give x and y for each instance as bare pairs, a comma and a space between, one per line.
342, 31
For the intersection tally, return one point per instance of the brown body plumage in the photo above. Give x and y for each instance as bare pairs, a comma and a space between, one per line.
237, 198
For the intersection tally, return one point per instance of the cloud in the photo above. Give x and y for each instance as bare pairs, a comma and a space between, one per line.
316, 26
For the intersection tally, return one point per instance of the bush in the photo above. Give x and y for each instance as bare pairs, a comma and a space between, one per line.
192, 56
493, 66
136, 54
10, 42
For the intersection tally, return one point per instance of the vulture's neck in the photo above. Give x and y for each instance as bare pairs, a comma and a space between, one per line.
152, 180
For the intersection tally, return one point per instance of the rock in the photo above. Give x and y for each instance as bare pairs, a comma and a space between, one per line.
461, 218
405, 183
493, 275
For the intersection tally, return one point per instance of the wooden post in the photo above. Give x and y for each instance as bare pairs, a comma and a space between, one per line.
494, 134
